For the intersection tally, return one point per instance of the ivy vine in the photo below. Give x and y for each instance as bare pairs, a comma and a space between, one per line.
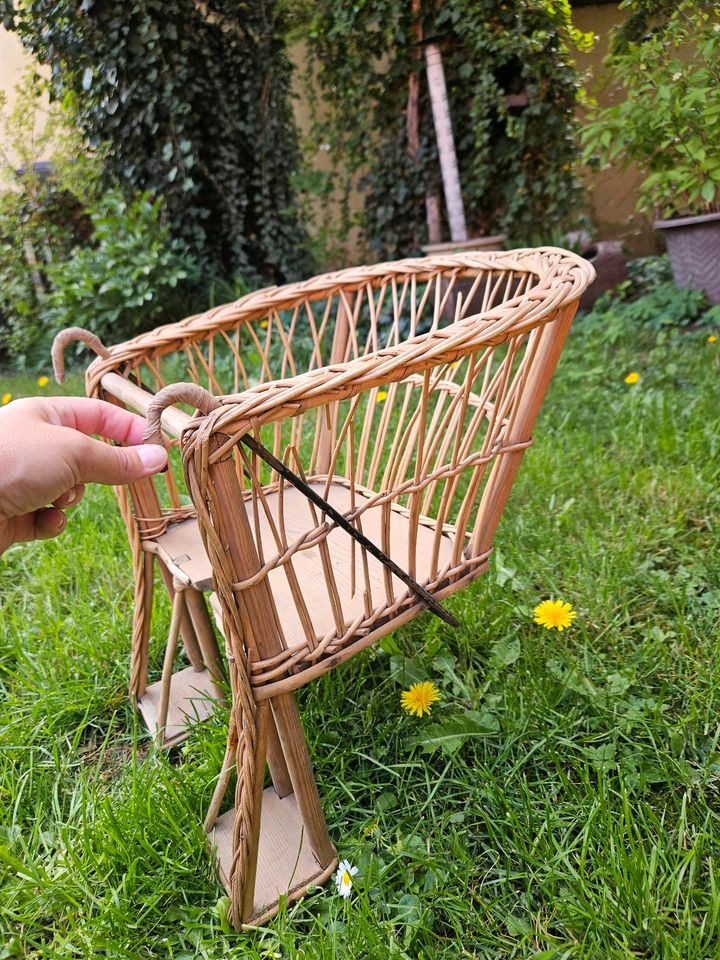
191, 101
512, 89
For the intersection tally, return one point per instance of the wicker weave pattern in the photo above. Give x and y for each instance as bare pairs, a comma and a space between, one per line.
555, 276
283, 343
402, 427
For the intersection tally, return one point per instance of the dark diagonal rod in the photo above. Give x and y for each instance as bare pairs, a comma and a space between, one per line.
341, 521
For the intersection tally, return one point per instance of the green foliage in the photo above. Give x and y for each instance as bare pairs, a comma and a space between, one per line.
70, 254
667, 122
583, 826
451, 732
36, 129
329, 222
649, 299
646, 273
192, 100
642, 18
515, 160
42, 218
131, 277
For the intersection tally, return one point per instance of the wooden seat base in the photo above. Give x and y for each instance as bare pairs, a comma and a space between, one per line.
192, 696
286, 864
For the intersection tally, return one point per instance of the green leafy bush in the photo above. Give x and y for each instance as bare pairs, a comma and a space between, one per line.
193, 102
71, 254
646, 273
667, 122
132, 277
33, 244
649, 299
42, 211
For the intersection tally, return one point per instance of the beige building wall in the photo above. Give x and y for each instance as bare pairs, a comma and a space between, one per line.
14, 63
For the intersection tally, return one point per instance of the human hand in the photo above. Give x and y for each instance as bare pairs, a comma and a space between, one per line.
47, 457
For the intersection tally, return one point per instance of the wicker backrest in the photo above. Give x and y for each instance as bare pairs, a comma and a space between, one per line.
415, 436
280, 333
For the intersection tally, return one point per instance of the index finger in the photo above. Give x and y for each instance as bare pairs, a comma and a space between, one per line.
90, 416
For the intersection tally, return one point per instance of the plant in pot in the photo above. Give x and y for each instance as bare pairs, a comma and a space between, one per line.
668, 125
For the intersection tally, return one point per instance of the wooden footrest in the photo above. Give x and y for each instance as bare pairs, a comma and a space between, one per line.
286, 864
192, 695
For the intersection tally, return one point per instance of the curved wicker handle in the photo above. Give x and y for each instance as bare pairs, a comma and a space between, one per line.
190, 393
70, 335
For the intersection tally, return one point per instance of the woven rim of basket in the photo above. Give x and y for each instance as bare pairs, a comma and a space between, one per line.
562, 277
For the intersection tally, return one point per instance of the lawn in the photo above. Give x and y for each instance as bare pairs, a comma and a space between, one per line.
581, 823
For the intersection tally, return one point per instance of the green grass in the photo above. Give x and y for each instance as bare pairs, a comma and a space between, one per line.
583, 823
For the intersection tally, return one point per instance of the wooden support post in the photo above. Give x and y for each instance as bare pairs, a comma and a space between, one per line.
147, 504
142, 620
204, 632
262, 637
305, 789
261, 731
170, 648
328, 428
276, 761
553, 336
187, 632
223, 782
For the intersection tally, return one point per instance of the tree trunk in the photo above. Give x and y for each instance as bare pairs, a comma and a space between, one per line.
446, 143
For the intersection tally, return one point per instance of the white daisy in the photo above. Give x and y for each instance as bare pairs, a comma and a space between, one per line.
343, 878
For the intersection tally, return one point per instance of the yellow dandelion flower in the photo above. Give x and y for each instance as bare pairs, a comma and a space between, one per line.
712, 338
419, 698
382, 395
263, 324
43, 381
6, 398
554, 614
632, 377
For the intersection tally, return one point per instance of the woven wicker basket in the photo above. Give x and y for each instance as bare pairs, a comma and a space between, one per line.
405, 420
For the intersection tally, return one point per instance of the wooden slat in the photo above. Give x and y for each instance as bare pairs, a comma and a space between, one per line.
192, 697
174, 421
286, 864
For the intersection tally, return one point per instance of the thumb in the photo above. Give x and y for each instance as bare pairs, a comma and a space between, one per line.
99, 462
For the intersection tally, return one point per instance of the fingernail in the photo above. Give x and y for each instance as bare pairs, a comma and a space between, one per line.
152, 455
71, 497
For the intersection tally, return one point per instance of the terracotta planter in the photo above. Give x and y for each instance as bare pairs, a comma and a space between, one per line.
465, 246
693, 245
610, 267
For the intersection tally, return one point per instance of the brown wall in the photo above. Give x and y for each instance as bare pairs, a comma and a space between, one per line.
612, 193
